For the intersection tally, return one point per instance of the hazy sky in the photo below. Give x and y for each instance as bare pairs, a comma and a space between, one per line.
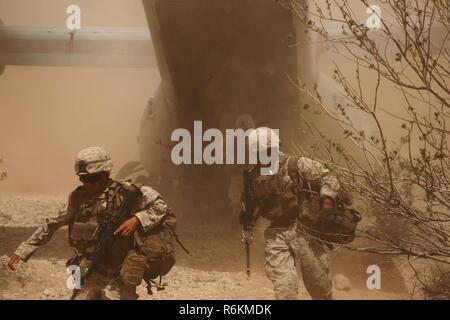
48, 113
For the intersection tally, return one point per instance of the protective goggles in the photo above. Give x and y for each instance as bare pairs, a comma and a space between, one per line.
95, 177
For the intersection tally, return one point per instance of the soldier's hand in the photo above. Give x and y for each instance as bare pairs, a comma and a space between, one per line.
127, 227
327, 203
13, 261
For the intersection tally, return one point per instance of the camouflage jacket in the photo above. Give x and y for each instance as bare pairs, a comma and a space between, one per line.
275, 195
150, 210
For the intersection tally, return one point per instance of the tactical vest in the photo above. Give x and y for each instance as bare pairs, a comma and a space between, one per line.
92, 211
276, 199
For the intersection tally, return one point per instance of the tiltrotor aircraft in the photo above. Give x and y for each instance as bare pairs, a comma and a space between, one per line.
228, 63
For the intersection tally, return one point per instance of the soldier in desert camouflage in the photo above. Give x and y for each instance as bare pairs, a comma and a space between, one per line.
144, 240
287, 244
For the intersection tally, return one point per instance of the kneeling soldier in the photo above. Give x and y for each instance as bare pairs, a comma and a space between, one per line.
121, 233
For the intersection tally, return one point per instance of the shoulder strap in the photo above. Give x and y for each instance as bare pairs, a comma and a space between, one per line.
74, 200
301, 184
298, 179
293, 171
130, 196
126, 188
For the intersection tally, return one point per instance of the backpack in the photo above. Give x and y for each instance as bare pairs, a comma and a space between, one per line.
153, 255
337, 225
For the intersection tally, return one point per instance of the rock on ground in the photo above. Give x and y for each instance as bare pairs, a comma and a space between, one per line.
341, 282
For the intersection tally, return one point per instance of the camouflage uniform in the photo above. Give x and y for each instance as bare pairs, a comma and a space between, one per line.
83, 214
151, 212
287, 245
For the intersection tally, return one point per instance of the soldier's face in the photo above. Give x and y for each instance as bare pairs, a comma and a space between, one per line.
93, 183
92, 187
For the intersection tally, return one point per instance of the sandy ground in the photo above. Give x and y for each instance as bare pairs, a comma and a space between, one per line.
213, 270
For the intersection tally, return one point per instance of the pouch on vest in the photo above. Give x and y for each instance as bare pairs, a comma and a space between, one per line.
271, 207
81, 236
306, 194
83, 231
83, 263
262, 186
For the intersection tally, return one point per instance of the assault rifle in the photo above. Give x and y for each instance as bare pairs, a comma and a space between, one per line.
246, 217
104, 237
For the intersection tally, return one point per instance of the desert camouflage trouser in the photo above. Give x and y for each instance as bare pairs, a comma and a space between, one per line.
287, 249
100, 287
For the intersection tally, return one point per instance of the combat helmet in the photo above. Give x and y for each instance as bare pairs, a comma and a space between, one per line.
92, 160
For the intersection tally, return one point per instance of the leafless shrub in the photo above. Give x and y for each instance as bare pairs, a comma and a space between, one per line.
432, 282
406, 178
437, 285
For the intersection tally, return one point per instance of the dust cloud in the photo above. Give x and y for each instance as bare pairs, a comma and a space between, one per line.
47, 114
